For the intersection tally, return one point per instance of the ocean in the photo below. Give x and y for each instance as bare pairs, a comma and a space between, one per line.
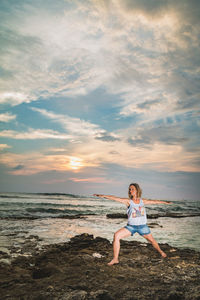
55, 218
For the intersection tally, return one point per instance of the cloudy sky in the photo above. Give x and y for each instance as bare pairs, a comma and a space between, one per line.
95, 94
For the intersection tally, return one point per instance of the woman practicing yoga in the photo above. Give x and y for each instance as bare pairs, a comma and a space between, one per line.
137, 220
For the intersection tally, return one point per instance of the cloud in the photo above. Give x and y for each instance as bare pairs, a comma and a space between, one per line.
56, 150
37, 162
145, 52
78, 128
147, 146
92, 179
184, 10
107, 138
7, 117
4, 146
159, 157
18, 167
151, 150
169, 135
32, 134
150, 107
14, 98
59, 64
131, 48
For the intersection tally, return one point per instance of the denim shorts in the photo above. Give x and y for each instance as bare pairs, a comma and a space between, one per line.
141, 229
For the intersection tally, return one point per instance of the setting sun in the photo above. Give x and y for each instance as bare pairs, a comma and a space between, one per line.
75, 163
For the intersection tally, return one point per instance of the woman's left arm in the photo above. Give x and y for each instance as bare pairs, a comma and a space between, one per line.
147, 201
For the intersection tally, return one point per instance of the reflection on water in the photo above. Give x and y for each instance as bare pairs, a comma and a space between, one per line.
178, 232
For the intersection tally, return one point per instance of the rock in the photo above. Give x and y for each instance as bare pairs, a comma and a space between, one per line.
5, 261
116, 216
75, 295
46, 271
100, 294
4, 250
172, 250
175, 296
154, 216
153, 225
98, 255
78, 270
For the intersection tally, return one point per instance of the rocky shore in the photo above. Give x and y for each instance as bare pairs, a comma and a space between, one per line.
155, 216
78, 270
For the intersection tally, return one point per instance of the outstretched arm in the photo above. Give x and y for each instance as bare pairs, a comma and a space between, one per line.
110, 197
147, 201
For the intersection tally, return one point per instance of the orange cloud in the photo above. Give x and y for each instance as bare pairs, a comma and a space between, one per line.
92, 179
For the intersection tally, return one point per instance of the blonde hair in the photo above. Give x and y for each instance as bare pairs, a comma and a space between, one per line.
138, 189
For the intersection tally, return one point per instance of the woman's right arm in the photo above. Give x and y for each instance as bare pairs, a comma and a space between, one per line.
110, 197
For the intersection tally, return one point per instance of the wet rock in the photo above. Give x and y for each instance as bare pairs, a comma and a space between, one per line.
5, 261
100, 294
75, 295
77, 216
175, 296
45, 271
153, 225
98, 255
116, 216
4, 251
172, 215
71, 271
154, 216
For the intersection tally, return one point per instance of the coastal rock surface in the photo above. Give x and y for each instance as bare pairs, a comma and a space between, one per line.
78, 270
155, 216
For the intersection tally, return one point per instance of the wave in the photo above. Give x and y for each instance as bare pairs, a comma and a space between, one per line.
60, 194
52, 210
20, 204
28, 195
31, 217
14, 196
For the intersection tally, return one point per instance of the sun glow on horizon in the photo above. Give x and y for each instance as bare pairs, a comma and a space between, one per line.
75, 163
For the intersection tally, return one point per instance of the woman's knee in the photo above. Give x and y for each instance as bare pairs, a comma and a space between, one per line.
121, 233
149, 237
116, 236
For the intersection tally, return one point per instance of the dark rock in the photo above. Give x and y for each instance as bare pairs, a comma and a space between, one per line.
75, 295
46, 271
154, 216
100, 295
153, 225
116, 216
175, 296
72, 271
29, 217
172, 215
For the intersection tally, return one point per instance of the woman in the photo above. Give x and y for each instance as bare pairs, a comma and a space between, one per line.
137, 220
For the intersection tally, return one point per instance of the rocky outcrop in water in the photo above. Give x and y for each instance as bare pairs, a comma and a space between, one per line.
154, 216
77, 216
78, 270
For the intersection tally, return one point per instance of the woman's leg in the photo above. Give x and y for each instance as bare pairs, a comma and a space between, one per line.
150, 238
121, 233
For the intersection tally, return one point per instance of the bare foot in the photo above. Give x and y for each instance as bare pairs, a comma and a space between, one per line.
113, 261
163, 254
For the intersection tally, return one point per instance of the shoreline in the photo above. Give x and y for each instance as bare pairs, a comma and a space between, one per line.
109, 216
59, 230
78, 269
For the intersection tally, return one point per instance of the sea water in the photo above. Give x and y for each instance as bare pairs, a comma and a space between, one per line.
47, 216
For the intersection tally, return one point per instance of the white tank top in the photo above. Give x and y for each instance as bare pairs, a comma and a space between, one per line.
136, 213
